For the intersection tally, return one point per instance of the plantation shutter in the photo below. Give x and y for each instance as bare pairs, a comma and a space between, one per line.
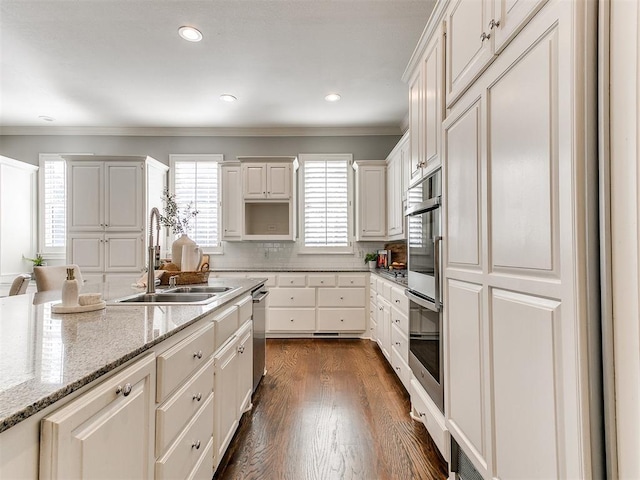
415, 222
54, 204
326, 203
197, 182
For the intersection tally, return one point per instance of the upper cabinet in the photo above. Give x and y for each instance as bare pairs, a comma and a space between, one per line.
426, 109
477, 31
231, 202
268, 204
397, 183
371, 201
266, 180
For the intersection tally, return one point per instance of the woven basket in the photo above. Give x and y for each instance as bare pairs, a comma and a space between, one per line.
185, 278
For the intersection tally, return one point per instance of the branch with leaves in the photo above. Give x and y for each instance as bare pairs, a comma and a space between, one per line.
174, 218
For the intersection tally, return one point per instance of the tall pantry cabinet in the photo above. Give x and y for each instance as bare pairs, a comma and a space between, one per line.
109, 199
520, 240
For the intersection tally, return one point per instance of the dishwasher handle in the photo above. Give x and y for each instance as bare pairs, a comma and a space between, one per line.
260, 296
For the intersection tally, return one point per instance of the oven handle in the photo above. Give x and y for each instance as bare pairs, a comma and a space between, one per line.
436, 271
423, 302
423, 207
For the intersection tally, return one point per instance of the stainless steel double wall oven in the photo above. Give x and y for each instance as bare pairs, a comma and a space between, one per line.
423, 214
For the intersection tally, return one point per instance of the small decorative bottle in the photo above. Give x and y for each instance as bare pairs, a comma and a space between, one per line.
70, 290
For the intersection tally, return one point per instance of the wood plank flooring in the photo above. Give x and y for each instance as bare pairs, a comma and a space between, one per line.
330, 409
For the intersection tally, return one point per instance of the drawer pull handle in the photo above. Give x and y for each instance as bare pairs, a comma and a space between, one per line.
241, 349
196, 445
197, 397
398, 343
397, 301
341, 298
292, 319
397, 320
197, 354
321, 281
398, 368
342, 319
125, 391
291, 281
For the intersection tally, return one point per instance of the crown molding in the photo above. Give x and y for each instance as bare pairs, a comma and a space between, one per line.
204, 131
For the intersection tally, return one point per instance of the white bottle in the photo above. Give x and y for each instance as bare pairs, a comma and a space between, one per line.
70, 290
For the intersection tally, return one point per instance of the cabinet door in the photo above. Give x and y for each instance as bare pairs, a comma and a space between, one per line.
124, 196
254, 180
391, 203
85, 196
106, 432
384, 326
509, 16
371, 203
225, 398
469, 50
279, 180
123, 252
406, 166
416, 122
245, 367
433, 101
231, 203
86, 250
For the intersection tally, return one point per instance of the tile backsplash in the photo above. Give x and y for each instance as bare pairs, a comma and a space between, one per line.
269, 255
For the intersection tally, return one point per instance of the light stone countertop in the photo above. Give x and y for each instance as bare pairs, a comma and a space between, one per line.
363, 269
45, 356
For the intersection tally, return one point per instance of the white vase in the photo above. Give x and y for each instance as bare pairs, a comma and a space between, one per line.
176, 249
372, 264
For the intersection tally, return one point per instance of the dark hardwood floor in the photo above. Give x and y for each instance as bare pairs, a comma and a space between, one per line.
330, 409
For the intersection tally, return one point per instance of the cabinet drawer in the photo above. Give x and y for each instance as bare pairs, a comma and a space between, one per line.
174, 365
400, 320
271, 277
373, 297
226, 323
341, 297
352, 280
292, 297
431, 417
292, 280
400, 343
204, 466
399, 300
373, 284
341, 319
174, 414
373, 329
322, 280
292, 319
245, 309
401, 368
185, 452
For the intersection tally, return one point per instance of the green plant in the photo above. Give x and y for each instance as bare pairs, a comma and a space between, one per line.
177, 220
37, 262
370, 257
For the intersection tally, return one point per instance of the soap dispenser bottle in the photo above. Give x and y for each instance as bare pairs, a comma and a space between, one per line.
70, 290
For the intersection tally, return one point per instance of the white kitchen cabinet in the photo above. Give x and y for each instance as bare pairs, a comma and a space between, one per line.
270, 180
18, 211
245, 367
108, 199
416, 123
371, 212
477, 31
384, 326
395, 214
517, 366
225, 390
105, 433
231, 202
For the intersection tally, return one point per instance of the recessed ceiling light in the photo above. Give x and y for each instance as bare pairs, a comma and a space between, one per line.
190, 34
332, 97
46, 118
225, 97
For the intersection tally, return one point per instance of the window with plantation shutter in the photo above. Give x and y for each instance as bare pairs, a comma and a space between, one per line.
326, 212
53, 201
194, 179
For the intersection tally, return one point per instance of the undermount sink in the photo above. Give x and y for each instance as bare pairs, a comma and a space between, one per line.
169, 298
200, 289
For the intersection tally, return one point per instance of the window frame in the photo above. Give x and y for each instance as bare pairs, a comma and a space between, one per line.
343, 250
217, 158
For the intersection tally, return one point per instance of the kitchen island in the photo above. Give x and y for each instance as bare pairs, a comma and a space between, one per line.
48, 360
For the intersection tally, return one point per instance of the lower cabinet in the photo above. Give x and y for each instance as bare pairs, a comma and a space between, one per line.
245, 367
226, 394
106, 433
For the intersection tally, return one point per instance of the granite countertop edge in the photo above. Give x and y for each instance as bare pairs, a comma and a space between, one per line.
22, 413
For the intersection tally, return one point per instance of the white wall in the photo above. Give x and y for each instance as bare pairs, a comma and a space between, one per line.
625, 229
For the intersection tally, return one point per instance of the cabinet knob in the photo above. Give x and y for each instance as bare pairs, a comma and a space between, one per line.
125, 391
485, 36
494, 24
398, 343
197, 397
292, 319
321, 281
197, 354
397, 301
398, 368
341, 298
397, 320
196, 445
342, 319
291, 298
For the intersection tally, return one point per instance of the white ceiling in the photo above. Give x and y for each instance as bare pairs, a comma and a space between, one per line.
120, 63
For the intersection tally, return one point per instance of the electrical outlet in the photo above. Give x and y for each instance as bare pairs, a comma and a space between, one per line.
360, 253
266, 253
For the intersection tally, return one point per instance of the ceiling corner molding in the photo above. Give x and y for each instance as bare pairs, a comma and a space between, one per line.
205, 131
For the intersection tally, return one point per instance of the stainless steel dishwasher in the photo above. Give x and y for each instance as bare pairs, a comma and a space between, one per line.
259, 334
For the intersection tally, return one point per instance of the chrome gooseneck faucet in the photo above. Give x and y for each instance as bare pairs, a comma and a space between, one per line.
154, 250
